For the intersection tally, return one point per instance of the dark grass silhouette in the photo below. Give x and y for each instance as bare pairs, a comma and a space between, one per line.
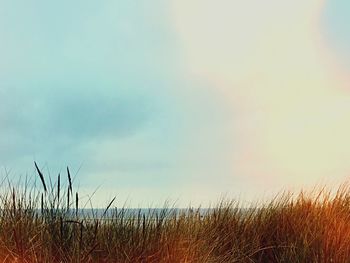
46, 225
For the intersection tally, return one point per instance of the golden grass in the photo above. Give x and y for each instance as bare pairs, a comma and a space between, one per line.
47, 226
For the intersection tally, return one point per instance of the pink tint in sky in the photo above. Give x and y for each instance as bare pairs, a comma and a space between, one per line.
285, 84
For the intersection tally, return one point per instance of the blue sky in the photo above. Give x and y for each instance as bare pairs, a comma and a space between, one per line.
101, 85
336, 22
108, 86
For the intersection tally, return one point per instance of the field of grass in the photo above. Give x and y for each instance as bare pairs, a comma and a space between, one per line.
44, 224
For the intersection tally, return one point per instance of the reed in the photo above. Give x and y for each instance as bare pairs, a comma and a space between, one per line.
39, 225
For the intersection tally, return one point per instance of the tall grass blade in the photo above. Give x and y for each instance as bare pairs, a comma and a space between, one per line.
76, 204
109, 205
41, 176
69, 181
58, 189
68, 204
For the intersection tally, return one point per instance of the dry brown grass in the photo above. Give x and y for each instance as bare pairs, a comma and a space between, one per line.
46, 226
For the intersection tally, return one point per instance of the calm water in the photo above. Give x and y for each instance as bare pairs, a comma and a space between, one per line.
131, 212
128, 213
135, 212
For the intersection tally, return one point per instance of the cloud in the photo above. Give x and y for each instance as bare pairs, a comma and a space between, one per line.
80, 115
199, 95
70, 119
73, 73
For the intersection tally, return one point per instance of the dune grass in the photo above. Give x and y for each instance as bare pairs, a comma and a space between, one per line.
45, 224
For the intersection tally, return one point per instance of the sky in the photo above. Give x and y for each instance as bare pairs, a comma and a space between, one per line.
180, 100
